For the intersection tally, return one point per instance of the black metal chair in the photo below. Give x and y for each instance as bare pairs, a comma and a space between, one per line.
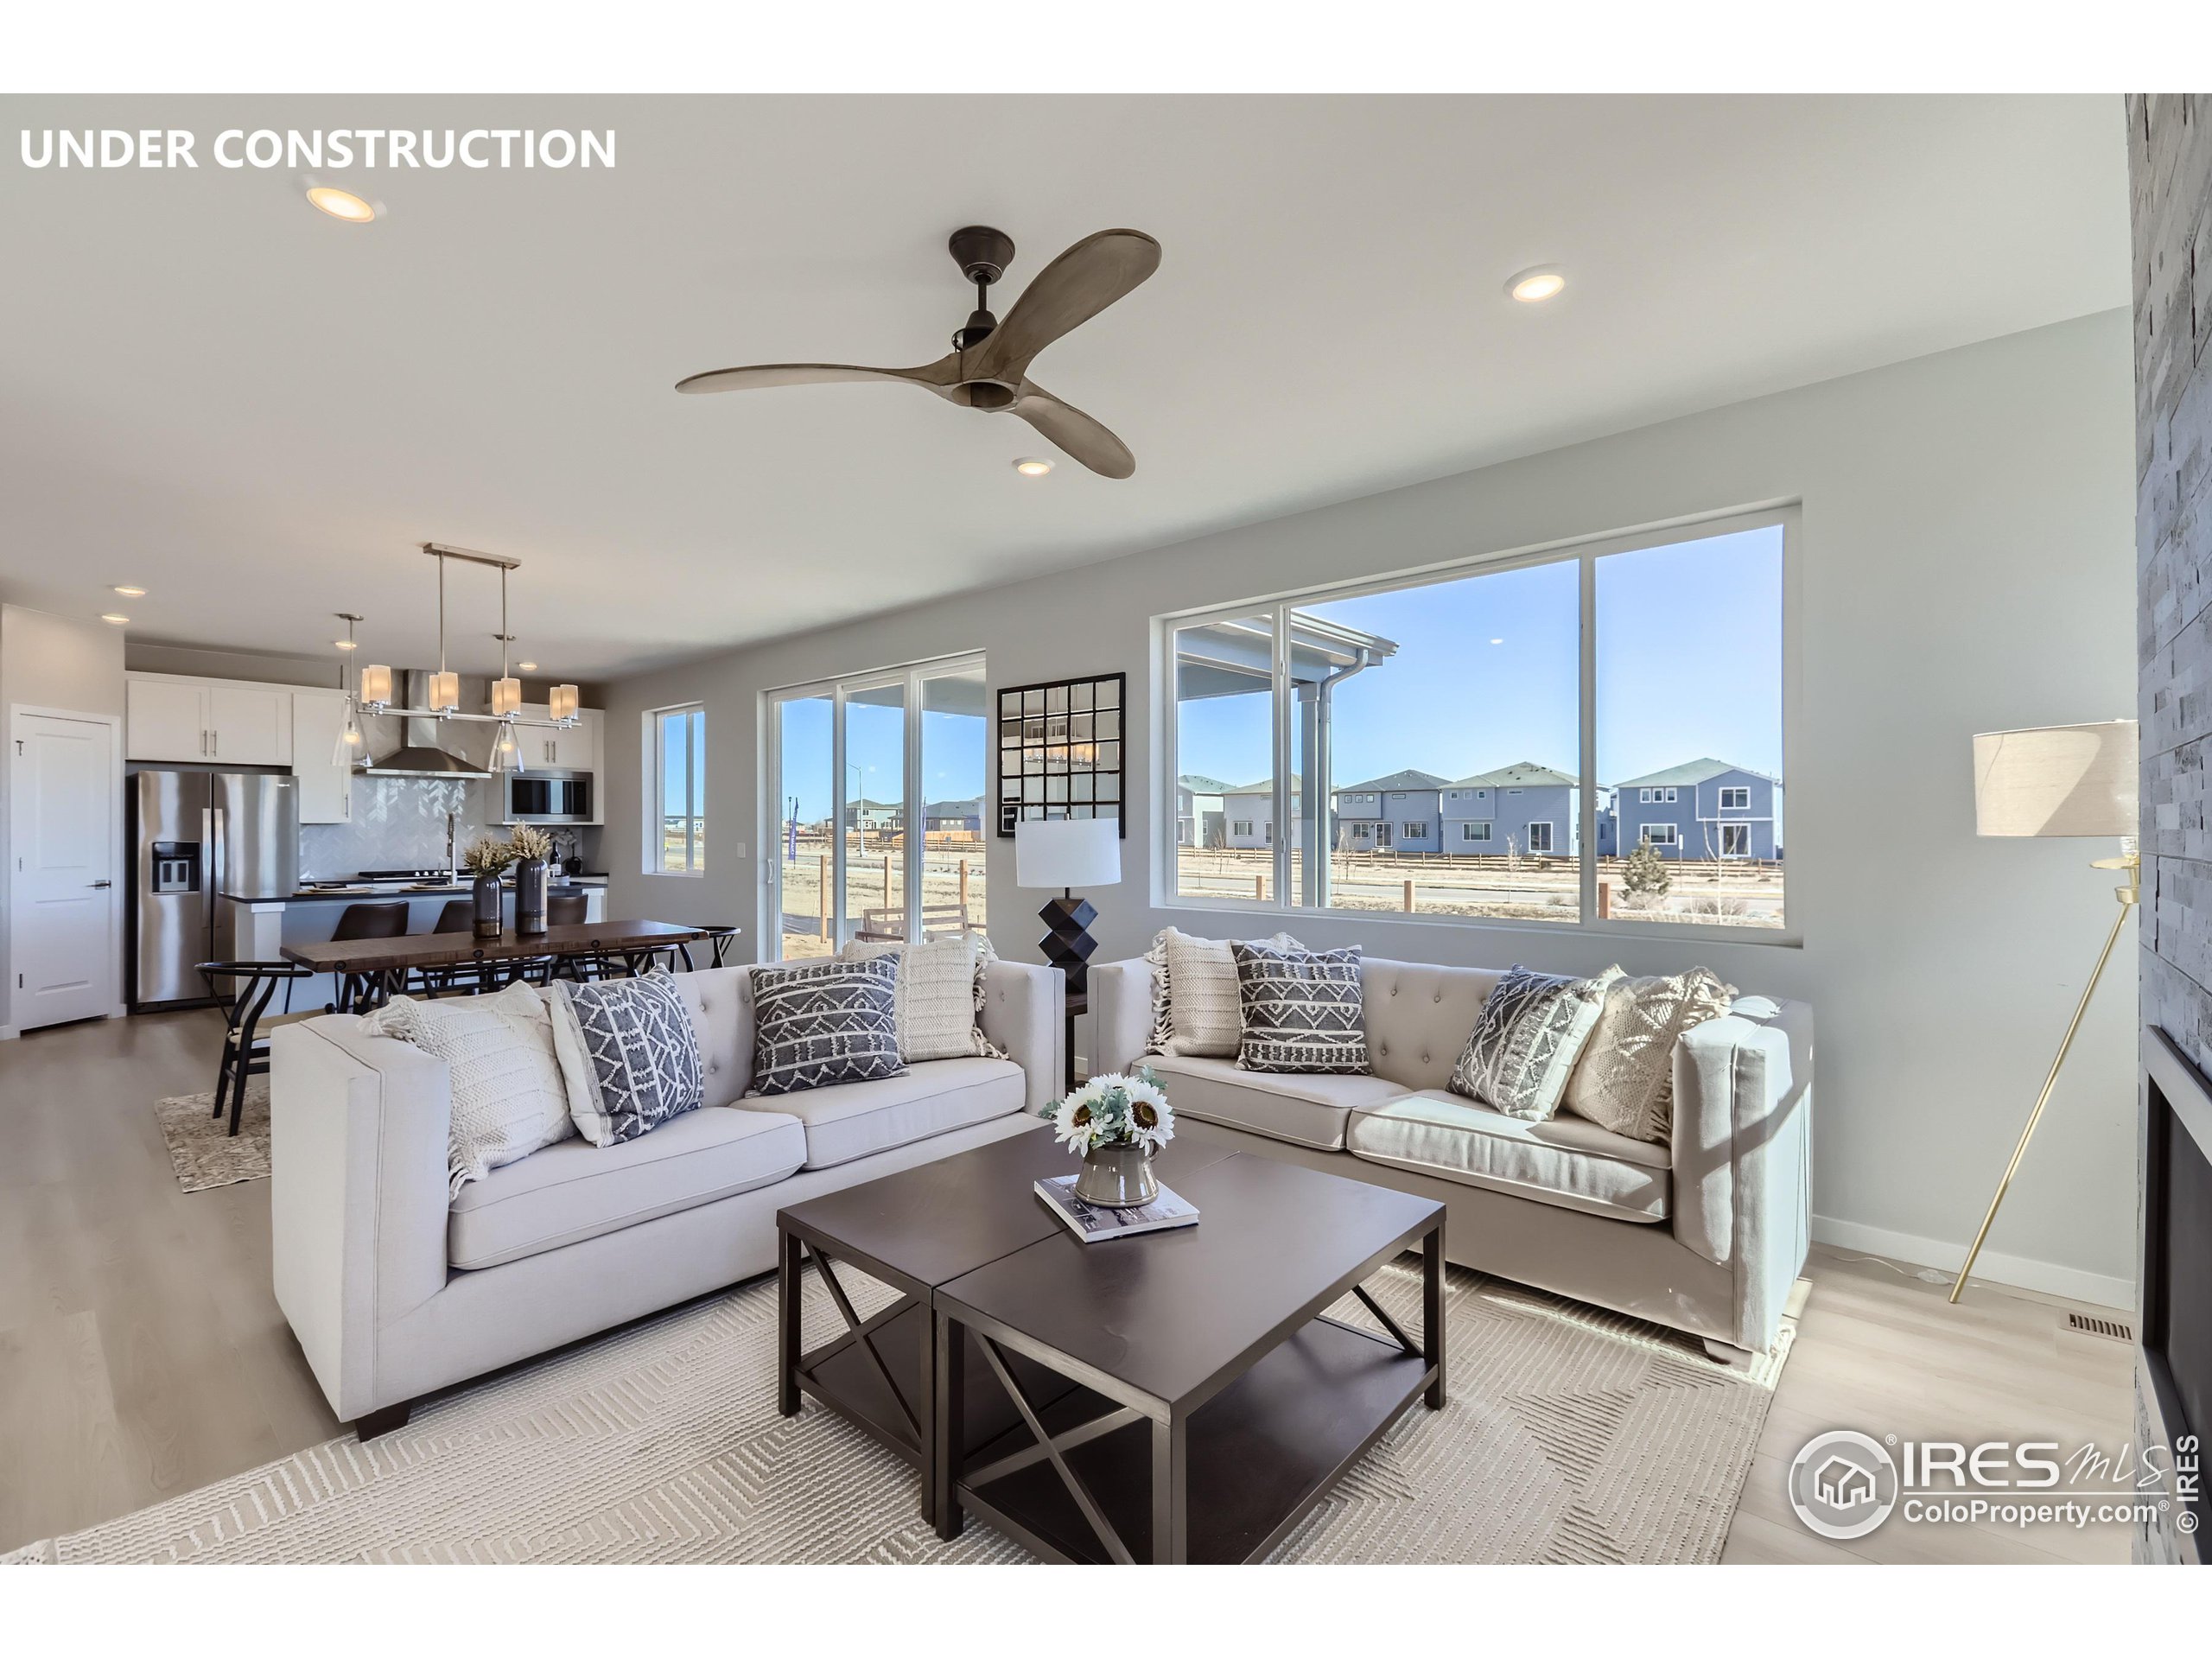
379, 921
245, 1032
720, 935
459, 916
566, 910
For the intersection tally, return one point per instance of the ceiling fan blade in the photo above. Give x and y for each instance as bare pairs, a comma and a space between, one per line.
1075, 432
1073, 290
937, 376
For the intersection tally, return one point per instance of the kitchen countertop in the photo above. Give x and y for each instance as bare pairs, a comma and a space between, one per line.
373, 894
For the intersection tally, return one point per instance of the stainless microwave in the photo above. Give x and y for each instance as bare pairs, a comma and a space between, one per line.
548, 795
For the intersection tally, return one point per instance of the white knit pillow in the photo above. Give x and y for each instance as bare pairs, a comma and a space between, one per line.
509, 1098
940, 994
1206, 1011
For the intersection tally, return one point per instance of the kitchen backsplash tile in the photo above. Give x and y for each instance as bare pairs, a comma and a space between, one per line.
399, 823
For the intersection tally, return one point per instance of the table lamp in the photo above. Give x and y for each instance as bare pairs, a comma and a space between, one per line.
2058, 780
1067, 854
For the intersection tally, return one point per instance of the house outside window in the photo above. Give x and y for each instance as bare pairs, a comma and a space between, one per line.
1241, 827
1736, 798
1476, 831
1661, 834
1735, 841
1540, 837
1416, 829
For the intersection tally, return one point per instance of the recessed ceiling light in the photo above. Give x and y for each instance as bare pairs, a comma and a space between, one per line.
1032, 467
341, 204
110, 616
346, 644
1536, 284
130, 593
527, 668
1497, 642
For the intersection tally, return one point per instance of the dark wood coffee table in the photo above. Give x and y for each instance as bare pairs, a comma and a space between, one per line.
1200, 1403
913, 1231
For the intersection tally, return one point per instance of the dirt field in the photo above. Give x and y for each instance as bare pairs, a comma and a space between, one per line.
1737, 893
875, 878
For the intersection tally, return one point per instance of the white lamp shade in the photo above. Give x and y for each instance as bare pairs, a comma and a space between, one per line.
445, 691
2056, 780
1067, 853
506, 696
561, 703
375, 683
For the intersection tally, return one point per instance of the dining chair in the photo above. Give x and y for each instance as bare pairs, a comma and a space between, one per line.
459, 916
379, 921
247, 1024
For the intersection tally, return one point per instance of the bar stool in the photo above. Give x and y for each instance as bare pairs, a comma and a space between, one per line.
567, 909
459, 916
245, 1032
381, 921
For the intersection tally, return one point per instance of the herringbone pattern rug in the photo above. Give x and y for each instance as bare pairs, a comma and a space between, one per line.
1571, 1435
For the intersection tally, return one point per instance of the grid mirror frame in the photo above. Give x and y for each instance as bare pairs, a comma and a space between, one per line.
1059, 750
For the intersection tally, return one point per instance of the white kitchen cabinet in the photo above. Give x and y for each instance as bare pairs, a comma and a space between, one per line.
249, 725
165, 720
326, 790
577, 749
166, 717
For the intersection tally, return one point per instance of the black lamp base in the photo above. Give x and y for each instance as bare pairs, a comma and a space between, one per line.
1066, 946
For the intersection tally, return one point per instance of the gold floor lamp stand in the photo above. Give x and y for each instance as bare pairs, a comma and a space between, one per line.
2127, 896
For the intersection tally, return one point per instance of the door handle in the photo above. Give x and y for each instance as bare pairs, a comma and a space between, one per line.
100, 883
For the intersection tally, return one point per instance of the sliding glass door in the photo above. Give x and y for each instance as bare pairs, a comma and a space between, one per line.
875, 807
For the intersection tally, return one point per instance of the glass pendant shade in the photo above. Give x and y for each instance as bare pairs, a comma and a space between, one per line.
349, 749
506, 754
376, 685
445, 691
507, 696
562, 702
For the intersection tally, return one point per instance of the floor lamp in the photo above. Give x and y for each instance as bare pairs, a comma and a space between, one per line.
1067, 854
2058, 780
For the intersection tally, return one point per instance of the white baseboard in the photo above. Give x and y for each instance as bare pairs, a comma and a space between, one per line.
2101, 1289
8, 1033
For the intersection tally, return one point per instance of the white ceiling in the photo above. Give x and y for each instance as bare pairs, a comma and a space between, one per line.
255, 411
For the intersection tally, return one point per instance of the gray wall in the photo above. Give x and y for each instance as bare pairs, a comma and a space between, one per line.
1963, 567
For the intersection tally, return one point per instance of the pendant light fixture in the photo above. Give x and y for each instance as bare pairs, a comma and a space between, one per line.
445, 684
506, 691
350, 745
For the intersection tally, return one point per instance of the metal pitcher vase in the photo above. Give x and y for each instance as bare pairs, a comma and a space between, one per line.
1118, 1176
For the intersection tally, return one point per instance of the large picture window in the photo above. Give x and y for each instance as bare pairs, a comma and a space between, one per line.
1493, 741
679, 762
875, 786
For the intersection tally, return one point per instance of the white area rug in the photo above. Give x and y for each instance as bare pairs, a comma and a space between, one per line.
1571, 1435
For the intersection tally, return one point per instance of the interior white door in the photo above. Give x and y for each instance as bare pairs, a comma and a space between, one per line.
62, 935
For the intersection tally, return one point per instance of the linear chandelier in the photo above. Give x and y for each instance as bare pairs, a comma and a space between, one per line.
375, 698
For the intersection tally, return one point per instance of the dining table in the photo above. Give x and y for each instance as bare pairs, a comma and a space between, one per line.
374, 970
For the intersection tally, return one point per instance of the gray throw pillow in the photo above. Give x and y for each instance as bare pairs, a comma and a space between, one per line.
817, 1023
1523, 1050
628, 1053
1302, 1010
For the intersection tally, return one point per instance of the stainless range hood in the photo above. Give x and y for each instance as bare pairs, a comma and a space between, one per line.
429, 748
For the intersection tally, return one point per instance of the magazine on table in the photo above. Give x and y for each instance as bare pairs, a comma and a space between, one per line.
1093, 1222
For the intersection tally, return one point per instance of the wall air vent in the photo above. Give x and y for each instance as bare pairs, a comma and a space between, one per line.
2090, 1325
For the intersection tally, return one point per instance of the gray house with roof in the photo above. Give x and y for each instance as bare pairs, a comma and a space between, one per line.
1399, 812
1522, 808
1200, 818
1249, 812
1706, 808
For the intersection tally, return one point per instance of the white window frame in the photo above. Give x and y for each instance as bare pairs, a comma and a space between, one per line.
1413, 829
836, 689
1468, 826
1673, 836
1239, 826
1544, 824
1727, 805
1585, 551
695, 756
1741, 828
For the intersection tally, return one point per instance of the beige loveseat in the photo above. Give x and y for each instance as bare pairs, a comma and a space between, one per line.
394, 1288
1706, 1234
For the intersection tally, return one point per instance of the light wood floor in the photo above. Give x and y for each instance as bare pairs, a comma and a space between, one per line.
141, 1353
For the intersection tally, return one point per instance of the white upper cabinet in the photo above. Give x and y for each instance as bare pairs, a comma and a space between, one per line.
236, 722
326, 790
165, 720
577, 749
249, 725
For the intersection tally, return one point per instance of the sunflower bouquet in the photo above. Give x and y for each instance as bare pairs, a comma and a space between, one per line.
1113, 1110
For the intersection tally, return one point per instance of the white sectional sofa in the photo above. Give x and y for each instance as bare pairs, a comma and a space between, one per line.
394, 1288
1706, 1234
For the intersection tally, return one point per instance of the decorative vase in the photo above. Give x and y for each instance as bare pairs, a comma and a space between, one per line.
529, 896
1118, 1176
484, 892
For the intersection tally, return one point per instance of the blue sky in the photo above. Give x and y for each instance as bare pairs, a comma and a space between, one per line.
1690, 664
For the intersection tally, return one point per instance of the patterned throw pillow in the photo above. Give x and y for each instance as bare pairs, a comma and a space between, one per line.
940, 994
1197, 1007
1302, 1010
630, 1054
508, 1095
1625, 1080
1533, 1028
817, 1023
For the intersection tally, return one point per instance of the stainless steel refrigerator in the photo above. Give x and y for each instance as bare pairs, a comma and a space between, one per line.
197, 837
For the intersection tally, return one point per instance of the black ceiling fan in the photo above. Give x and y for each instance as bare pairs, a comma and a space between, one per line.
988, 366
